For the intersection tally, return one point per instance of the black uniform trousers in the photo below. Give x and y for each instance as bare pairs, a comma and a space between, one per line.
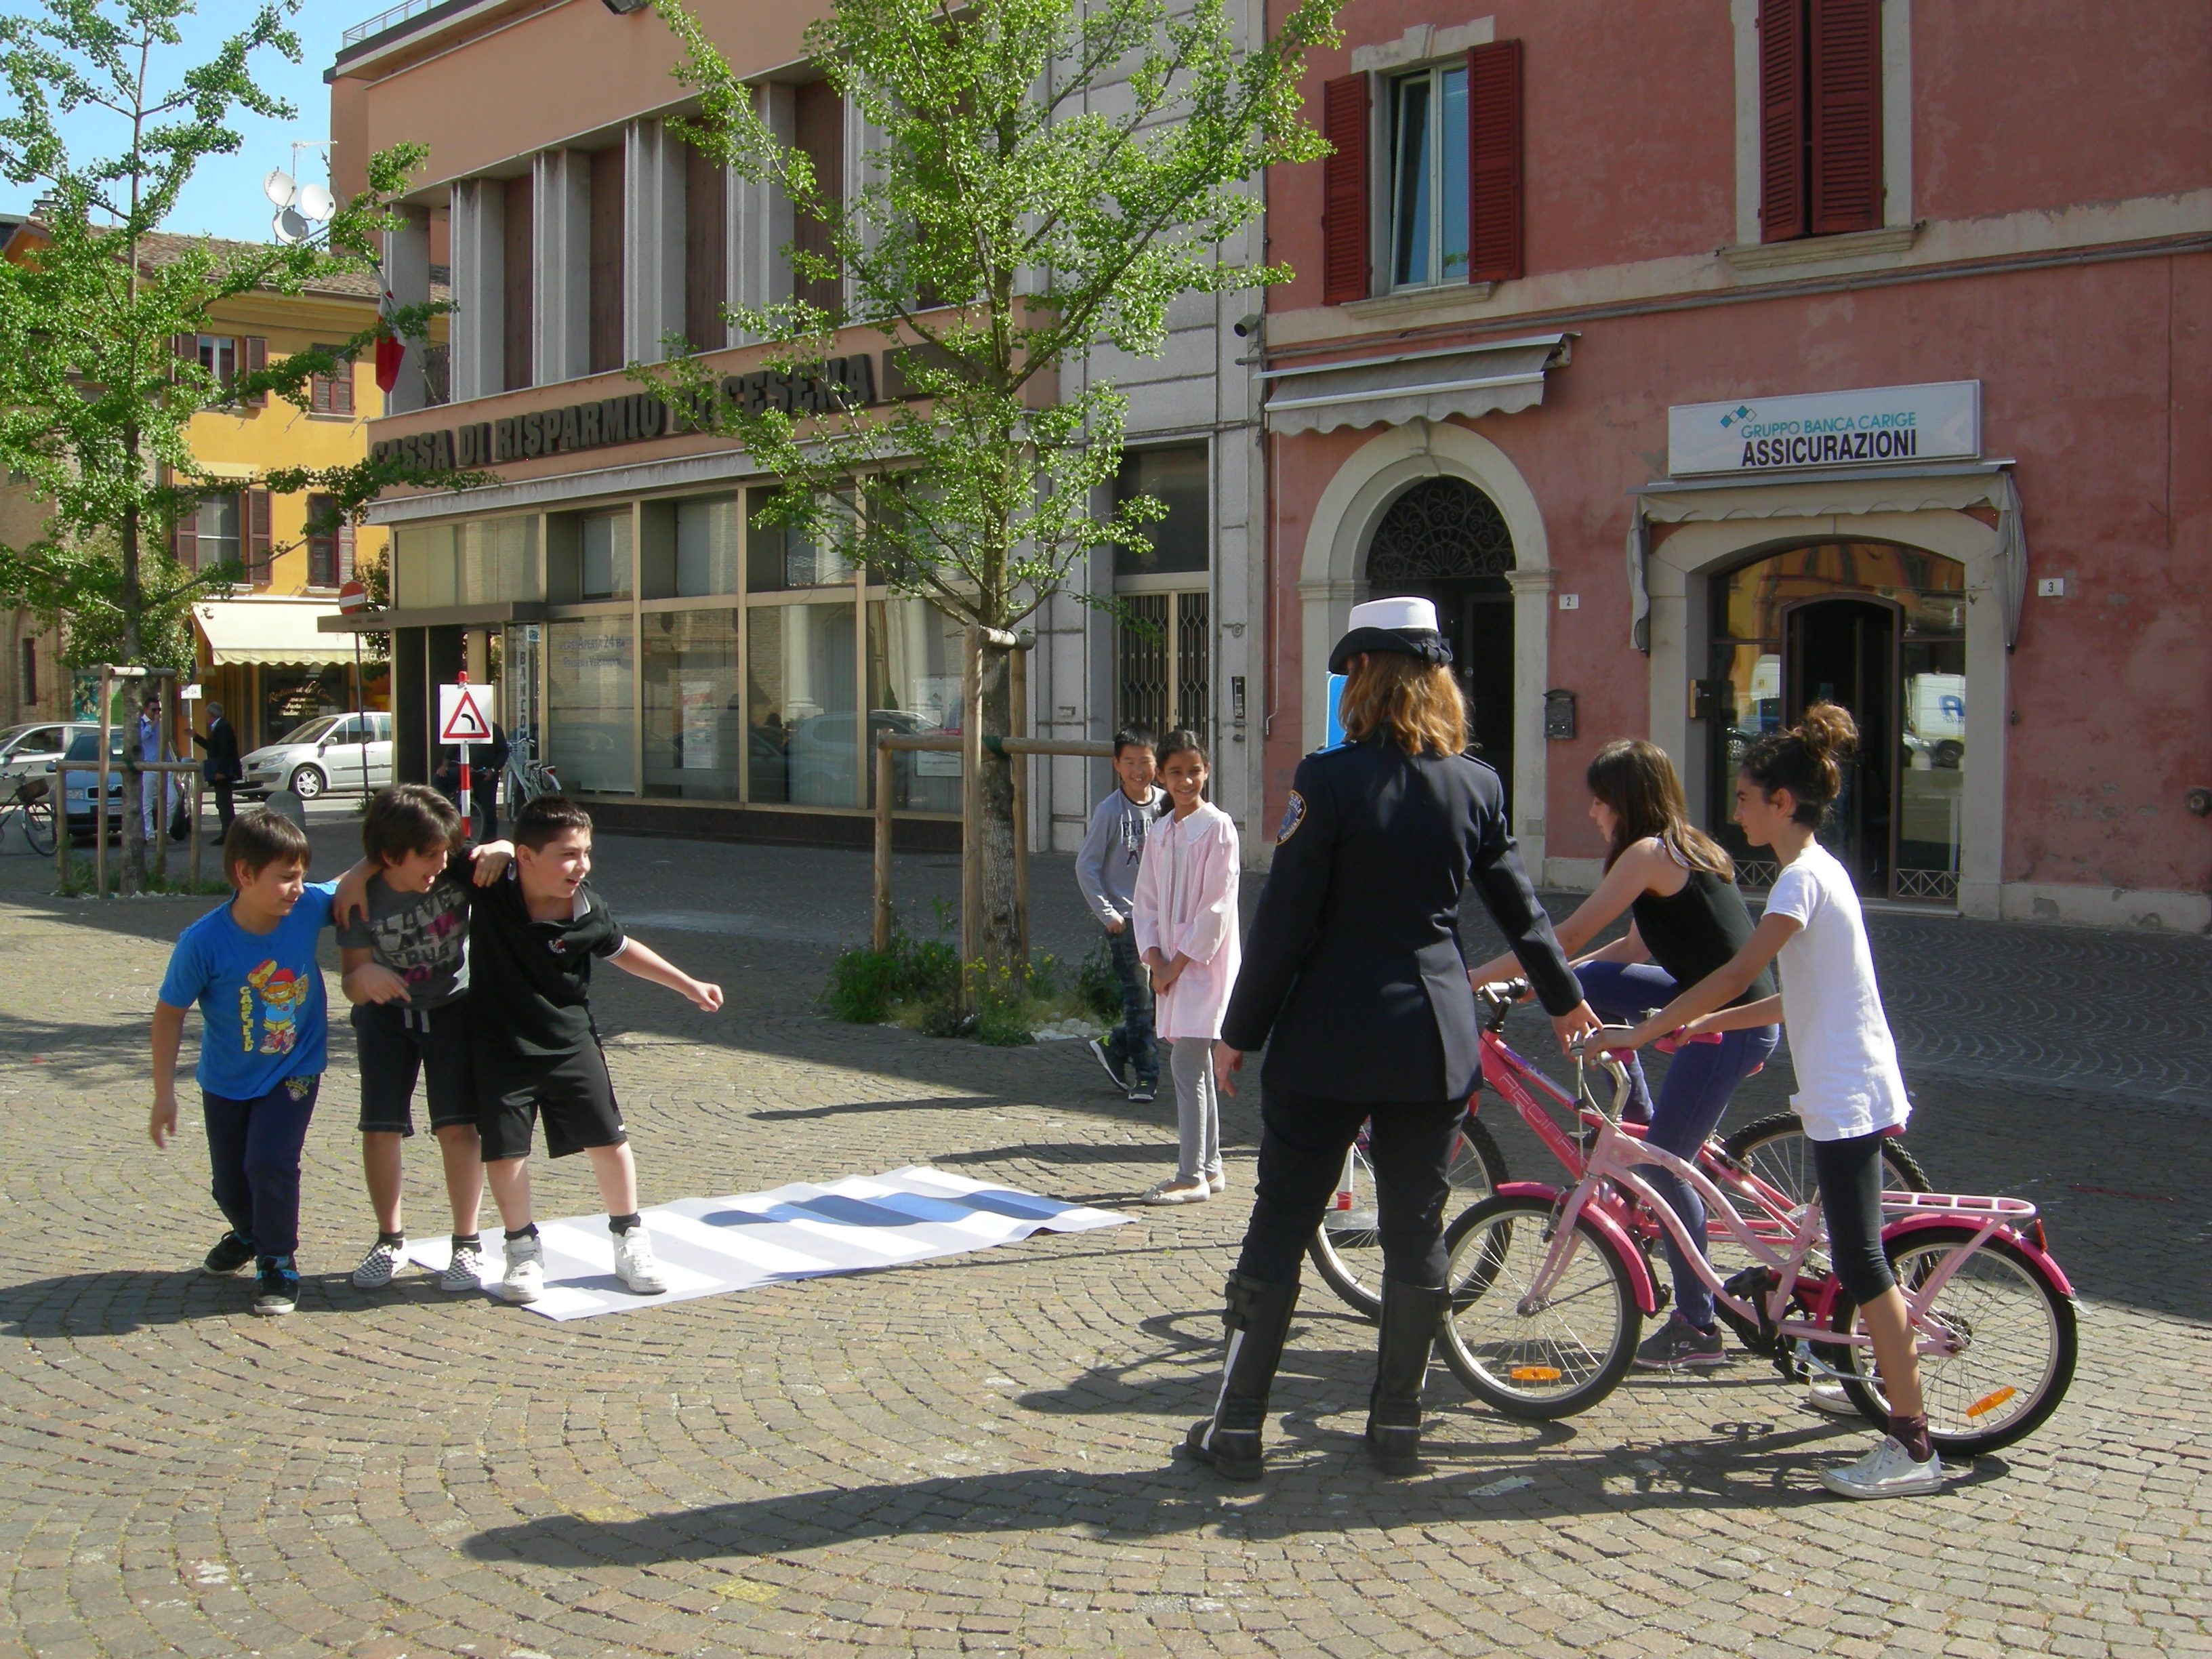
1303, 1142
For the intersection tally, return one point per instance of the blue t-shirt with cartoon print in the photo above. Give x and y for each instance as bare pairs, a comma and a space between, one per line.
260, 996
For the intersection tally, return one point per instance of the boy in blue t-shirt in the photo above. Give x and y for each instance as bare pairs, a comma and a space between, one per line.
251, 966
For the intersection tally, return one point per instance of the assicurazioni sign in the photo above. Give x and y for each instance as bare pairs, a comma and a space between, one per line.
1879, 425
841, 383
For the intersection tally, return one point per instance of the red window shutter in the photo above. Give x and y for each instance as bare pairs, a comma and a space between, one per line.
1494, 216
1845, 109
257, 538
253, 358
184, 536
1344, 212
1782, 205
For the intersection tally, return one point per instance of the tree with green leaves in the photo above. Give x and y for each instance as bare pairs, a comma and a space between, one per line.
96, 405
1041, 177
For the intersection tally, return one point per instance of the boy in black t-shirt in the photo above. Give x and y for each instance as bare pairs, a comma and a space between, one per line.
532, 940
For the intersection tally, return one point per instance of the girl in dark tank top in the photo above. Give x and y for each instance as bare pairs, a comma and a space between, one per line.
1687, 920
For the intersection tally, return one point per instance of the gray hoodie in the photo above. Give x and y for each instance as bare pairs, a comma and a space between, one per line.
1106, 864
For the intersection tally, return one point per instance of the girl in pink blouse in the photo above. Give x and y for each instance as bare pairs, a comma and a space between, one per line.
1185, 916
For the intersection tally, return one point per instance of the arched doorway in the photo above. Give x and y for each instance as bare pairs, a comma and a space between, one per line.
1882, 630
1444, 540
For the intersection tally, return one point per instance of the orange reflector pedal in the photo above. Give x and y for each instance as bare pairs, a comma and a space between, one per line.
1989, 1402
1534, 1374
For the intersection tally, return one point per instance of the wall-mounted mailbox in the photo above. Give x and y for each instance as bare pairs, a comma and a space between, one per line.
1558, 714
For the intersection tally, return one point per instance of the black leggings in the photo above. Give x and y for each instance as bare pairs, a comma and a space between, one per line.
1849, 1174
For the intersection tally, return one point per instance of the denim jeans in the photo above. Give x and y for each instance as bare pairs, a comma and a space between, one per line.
1131, 1040
254, 1146
1699, 1080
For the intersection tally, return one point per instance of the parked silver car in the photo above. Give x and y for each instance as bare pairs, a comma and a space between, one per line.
29, 747
344, 753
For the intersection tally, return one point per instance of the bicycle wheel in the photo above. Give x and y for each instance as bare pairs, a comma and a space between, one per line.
39, 825
1565, 1356
1776, 1150
1346, 1249
2013, 1341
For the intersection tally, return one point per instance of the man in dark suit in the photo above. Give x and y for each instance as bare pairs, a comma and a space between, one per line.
1354, 980
221, 767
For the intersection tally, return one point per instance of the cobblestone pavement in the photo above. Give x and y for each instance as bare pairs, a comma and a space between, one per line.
971, 1455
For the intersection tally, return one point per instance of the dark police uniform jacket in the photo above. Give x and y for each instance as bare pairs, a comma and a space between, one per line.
1354, 963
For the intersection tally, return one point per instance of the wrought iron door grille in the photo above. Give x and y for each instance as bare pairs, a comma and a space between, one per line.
1193, 663
1163, 671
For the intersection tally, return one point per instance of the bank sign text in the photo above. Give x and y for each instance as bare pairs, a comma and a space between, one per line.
1878, 426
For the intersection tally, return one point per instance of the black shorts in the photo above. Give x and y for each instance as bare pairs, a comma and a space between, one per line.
573, 1093
399, 1042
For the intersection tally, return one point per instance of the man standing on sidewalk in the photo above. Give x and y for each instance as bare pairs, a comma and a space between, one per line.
1106, 871
221, 768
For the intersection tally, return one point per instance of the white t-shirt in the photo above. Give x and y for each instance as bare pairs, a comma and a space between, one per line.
1848, 1083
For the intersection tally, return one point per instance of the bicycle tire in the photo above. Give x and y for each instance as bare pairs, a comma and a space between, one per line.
1510, 1361
1959, 1395
1759, 1148
1350, 1258
39, 826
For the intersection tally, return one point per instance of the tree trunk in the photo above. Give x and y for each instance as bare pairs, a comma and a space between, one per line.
993, 933
134, 781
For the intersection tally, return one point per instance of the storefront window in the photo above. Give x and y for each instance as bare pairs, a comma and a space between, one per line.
1881, 630
495, 559
288, 698
604, 547
778, 558
803, 740
915, 671
423, 566
693, 718
706, 546
590, 694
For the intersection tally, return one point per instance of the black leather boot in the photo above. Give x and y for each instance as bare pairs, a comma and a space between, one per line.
1256, 1320
1410, 1317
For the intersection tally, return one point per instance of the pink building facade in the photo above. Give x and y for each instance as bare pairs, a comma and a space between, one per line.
1701, 360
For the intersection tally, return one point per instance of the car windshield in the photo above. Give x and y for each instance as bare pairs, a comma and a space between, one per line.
85, 745
308, 730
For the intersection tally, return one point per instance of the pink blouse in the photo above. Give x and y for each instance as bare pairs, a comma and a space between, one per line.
1186, 905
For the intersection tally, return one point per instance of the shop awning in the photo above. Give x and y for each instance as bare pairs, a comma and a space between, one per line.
269, 631
1492, 378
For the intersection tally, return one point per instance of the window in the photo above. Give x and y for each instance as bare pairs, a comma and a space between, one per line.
496, 560
694, 715
604, 538
218, 526
226, 357
590, 700
218, 355
1428, 177
329, 544
1177, 479
706, 546
916, 655
332, 394
778, 557
801, 698
1162, 666
1820, 116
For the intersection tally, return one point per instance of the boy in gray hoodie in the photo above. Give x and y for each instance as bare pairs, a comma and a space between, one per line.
1106, 871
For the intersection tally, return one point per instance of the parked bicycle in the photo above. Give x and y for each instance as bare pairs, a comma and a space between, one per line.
30, 802
1346, 1249
526, 776
1550, 1285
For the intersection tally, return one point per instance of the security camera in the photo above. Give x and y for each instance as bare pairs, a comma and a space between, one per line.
1248, 324
623, 8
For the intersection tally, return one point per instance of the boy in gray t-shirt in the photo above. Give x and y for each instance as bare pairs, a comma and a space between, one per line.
1106, 871
403, 916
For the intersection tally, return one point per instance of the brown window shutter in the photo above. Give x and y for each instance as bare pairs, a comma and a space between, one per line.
1845, 110
1782, 194
185, 348
342, 389
1494, 216
253, 358
257, 538
1344, 212
184, 537
346, 550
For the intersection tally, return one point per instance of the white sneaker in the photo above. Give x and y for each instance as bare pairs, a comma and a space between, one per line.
1826, 1394
524, 1279
465, 1271
1196, 1190
634, 1265
1217, 1180
377, 1267
1888, 1471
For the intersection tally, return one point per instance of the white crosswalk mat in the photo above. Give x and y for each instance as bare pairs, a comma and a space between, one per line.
708, 1246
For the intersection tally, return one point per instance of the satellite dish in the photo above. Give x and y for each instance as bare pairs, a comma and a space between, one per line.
315, 202
288, 226
279, 188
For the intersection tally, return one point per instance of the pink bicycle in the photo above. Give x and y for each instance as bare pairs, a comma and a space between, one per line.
1550, 1285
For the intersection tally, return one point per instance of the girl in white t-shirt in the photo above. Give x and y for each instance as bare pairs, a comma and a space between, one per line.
1184, 915
1850, 1092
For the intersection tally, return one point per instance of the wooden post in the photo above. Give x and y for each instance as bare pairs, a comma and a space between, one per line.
1018, 766
61, 824
99, 810
886, 769
199, 782
162, 785
971, 805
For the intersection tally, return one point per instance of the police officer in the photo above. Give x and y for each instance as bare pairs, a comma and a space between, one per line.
1354, 980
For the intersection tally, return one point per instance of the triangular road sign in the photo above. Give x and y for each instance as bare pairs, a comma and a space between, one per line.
461, 716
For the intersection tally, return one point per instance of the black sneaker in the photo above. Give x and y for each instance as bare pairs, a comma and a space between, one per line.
279, 1285
1109, 1061
230, 1254
1678, 1344
1145, 1091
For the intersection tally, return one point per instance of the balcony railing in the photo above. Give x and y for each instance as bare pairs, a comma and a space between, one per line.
391, 17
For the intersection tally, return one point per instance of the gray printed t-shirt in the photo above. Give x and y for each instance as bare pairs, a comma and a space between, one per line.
421, 936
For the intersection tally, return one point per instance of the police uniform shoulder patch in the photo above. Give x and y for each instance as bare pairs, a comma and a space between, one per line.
1294, 814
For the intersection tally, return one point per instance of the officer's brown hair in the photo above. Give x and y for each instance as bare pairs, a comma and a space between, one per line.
1417, 704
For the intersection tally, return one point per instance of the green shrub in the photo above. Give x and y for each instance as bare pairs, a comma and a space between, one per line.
916, 983
1097, 987
866, 984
